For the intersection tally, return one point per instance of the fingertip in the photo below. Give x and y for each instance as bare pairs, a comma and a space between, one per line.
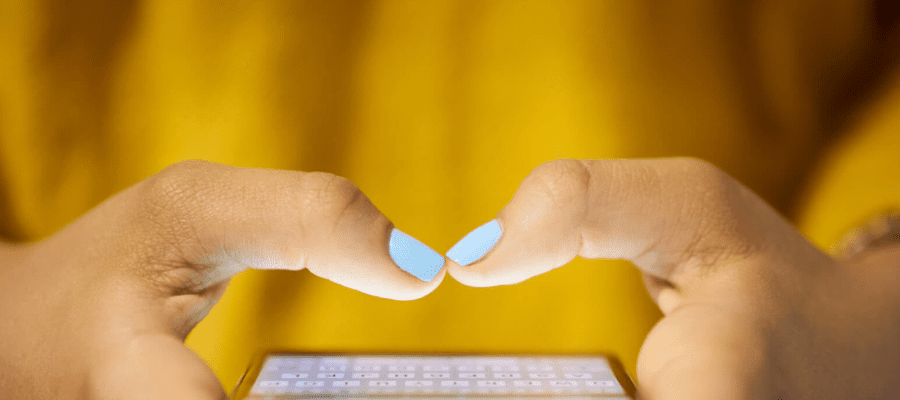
472, 276
476, 244
499, 253
433, 284
414, 256
392, 265
439, 277
415, 292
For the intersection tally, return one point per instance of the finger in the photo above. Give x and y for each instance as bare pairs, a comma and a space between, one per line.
191, 227
155, 367
694, 354
158, 255
663, 293
676, 219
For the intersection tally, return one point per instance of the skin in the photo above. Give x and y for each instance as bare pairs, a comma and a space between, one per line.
753, 311
104, 305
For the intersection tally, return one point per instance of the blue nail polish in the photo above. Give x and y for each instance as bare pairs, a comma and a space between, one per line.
414, 257
476, 244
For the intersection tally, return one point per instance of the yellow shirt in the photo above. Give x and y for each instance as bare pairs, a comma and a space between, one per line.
436, 110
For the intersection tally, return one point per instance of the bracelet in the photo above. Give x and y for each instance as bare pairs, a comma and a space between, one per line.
879, 231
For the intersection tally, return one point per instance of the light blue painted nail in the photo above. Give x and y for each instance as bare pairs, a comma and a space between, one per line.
476, 244
414, 256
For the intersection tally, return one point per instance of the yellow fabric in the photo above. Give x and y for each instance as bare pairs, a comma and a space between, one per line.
860, 177
436, 109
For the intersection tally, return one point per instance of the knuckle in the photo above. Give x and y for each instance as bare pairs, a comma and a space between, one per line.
169, 205
328, 195
174, 185
704, 190
562, 180
704, 175
712, 213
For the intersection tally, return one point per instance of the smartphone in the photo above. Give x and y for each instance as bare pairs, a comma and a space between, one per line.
286, 375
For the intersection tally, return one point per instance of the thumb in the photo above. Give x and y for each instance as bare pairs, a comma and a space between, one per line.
144, 267
681, 221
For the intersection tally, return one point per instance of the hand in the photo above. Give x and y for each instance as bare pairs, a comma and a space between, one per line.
100, 310
752, 309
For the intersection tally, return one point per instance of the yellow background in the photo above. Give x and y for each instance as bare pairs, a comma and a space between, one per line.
437, 110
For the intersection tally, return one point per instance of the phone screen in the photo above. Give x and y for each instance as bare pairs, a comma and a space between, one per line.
353, 376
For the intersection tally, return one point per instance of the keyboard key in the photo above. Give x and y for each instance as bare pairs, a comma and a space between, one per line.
601, 383
471, 375
366, 375
294, 376
454, 383
268, 384
270, 391
508, 375
331, 375
296, 368
596, 367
